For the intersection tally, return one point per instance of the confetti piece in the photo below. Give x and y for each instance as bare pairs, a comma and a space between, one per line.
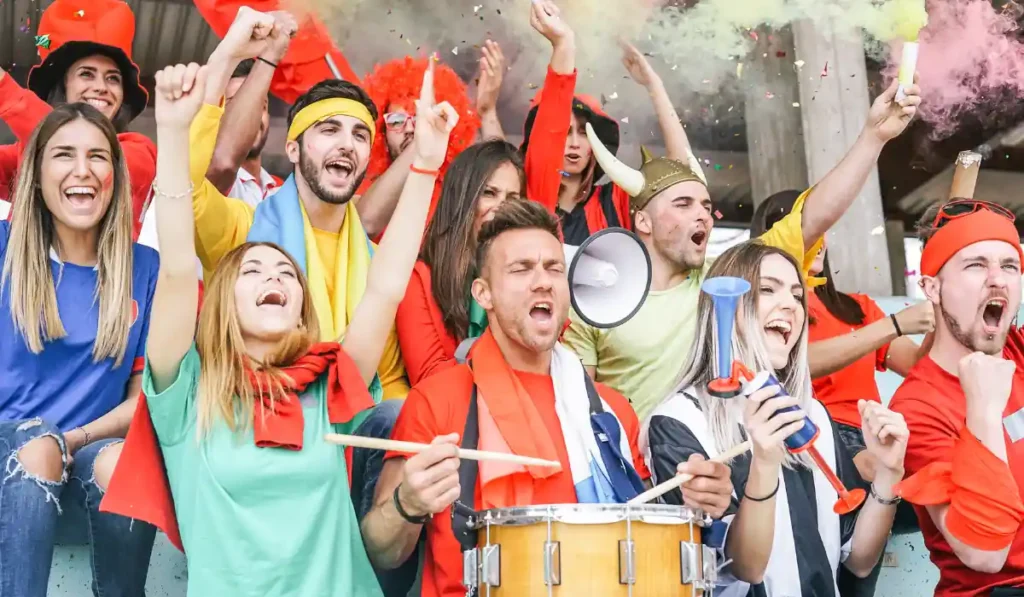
675, 66
626, 120
614, 95
43, 41
455, 50
739, 70
796, 104
718, 214
718, 166
824, 71
877, 230
769, 95
80, 14
753, 35
780, 54
799, 63
476, 9
910, 272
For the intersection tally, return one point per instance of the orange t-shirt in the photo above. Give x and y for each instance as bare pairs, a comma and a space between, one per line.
840, 391
440, 405
933, 404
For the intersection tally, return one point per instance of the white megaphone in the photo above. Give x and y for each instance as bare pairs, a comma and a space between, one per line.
609, 277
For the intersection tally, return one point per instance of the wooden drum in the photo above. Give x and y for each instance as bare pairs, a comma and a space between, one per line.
591, 550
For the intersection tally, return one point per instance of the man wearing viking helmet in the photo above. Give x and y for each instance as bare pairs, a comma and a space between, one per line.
671, 213
86, 48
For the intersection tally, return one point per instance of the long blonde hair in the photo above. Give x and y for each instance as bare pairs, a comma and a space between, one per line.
725, 416
224, 388
26, 267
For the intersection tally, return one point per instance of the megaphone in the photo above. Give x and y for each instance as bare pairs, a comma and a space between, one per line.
609, 277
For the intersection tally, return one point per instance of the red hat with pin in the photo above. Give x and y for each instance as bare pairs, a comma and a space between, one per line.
70, 30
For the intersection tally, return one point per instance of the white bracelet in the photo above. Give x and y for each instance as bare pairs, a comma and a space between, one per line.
158, 192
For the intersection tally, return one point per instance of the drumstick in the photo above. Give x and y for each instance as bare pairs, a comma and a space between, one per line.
358, 441
663, 488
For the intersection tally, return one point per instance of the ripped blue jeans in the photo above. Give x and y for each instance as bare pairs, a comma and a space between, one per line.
37, 513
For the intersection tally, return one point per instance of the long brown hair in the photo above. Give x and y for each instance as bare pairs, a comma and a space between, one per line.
26, 266
224, 387
450, 240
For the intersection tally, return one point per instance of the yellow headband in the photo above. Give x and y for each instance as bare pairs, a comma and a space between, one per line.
323, 109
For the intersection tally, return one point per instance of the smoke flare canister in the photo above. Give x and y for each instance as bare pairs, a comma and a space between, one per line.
965, 175
803, 438
908, 66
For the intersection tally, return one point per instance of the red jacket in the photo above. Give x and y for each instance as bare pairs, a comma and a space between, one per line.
23, 111
544, 147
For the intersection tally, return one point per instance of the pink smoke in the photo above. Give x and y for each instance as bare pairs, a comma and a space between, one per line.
970, 61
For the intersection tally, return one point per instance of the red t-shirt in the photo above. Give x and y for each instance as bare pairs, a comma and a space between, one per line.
438, 406
933, 404
840, 391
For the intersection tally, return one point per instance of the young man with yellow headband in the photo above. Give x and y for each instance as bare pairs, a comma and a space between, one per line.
331, 129
672, 212
964, 403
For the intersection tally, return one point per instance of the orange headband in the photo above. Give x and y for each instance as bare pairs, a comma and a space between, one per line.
963, 231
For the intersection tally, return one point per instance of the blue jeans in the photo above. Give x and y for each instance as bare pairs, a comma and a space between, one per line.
35, 513
366, 468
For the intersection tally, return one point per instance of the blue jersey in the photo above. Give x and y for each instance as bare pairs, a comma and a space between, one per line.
63, 384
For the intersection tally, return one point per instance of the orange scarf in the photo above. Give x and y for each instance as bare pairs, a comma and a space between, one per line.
509, 422
985, 508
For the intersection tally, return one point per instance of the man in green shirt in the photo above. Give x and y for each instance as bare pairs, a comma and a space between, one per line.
672, 215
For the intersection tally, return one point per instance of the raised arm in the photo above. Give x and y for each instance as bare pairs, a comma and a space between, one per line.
833, 195
241, 121
179, 93
546, 149
831, 355
885, 438
677, 145
20, 109
392, 265
488, 88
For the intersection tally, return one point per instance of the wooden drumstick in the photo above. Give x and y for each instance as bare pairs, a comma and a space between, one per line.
358, 441
663, 488
965, 175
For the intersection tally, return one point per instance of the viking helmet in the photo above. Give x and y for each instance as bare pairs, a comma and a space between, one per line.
655, 174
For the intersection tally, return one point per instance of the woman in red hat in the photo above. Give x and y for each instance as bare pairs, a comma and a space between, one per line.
86, 50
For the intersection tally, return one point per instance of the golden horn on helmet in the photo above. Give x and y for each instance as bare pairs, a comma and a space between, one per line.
630, 180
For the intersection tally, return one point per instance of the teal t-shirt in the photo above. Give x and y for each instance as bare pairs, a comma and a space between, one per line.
260, 521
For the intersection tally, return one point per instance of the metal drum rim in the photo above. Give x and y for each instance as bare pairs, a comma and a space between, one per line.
525, 515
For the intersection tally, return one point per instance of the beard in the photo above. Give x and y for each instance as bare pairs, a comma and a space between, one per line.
990, 345
518, 330
257, 148
394, 152
311, 173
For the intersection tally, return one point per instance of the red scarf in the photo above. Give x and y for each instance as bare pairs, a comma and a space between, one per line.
139, 488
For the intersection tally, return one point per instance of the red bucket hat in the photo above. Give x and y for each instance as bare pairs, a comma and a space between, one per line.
70, 30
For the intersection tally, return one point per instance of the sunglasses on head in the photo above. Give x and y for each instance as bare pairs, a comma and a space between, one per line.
397, 120
965, 207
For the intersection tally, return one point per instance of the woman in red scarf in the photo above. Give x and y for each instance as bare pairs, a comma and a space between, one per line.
241, 404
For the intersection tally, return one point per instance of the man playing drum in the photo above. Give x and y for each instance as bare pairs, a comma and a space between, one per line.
520, 392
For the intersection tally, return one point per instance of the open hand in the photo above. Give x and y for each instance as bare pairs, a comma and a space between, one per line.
888, 118
434, 124
430, 481
710, 489
885, 435
179, 93
546, 18
492, 70
637, 65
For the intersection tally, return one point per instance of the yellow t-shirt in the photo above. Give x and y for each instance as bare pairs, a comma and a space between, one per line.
642, 357
327, 244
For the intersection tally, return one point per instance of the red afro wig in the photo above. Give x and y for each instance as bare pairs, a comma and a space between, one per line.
399, 82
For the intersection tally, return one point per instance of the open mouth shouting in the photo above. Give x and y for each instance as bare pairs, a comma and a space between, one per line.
272, 298
574, 158
778, 330
81, 198
699, 238
543, 313
340, 170
992, 314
